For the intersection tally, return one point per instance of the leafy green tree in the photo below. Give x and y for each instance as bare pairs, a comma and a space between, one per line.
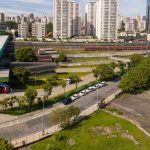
105, 72
122, 27
63, 84
26, 54
5, 145
48, 90
137, 80
122, 68
20, 74
73, 112
49, 27
11, 25
63, 116
30, 96
4, 103
136, 59
50, 83
75, 78
62, 58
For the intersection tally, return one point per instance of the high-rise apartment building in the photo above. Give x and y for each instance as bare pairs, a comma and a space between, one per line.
148, 17
38, 29
2, 17
106, 19
66, 20
23, 30
90, 19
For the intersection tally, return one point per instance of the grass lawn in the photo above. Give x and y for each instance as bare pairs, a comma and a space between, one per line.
77, 60
101, 131
61, 75
40, 80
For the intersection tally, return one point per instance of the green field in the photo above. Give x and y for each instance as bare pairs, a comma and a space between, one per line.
101, 131
39, 81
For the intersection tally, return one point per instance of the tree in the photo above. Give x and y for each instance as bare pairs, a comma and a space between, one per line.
105, 72
48, 90
50, 83
62, 58
137, 80
73, 112
5, 145
136, 59
75, 79
121, 66
95, 73
26, 54
63, 116
64, 84
30, 95
20, 74
11, 25
122, 27
49, 27
4, 103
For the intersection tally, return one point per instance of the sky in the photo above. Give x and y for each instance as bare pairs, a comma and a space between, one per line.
44, 7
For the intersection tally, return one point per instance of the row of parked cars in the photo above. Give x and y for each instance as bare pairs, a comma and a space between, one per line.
74, 97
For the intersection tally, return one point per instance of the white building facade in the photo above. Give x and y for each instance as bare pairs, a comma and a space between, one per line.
66, 20
23, 30
38, 30
90, 19
106, 19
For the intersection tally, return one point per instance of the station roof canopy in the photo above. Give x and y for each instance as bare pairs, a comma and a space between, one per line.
3, 42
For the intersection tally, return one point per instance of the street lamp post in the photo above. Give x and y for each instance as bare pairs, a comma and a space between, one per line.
43, 117
35, 79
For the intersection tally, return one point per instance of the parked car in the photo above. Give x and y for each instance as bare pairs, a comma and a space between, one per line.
75, 97
103, 83
83, 93
4, 88
91, 89
67, 101
87, 91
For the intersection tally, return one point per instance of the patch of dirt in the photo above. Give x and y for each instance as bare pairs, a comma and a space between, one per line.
130, 137
71, 142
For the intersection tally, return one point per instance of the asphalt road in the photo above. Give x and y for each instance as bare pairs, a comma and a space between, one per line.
35, 125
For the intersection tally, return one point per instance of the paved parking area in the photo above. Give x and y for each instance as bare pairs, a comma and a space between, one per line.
137, 107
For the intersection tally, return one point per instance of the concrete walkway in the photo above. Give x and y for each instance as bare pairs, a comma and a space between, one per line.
57, 90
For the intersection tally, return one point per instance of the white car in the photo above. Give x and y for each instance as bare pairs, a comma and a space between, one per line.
91, 89
99, 85
87, 91
103, 83
75, 97
83, 93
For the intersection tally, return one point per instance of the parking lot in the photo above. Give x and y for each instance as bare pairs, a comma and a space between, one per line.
136, 107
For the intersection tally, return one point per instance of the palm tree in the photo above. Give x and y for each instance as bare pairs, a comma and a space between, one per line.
64, 84
48, 90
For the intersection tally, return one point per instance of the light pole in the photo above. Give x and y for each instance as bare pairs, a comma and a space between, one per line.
43, 117
35, 79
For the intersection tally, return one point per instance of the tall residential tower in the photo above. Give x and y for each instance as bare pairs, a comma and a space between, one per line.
66, 20
90, 19
148, 17
106, 19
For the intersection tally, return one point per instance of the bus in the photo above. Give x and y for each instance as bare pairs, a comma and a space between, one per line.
4, 89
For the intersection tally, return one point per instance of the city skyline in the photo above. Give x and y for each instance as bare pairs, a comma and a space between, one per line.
44, 7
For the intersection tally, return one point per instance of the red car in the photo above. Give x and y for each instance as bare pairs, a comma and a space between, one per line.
4, 89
